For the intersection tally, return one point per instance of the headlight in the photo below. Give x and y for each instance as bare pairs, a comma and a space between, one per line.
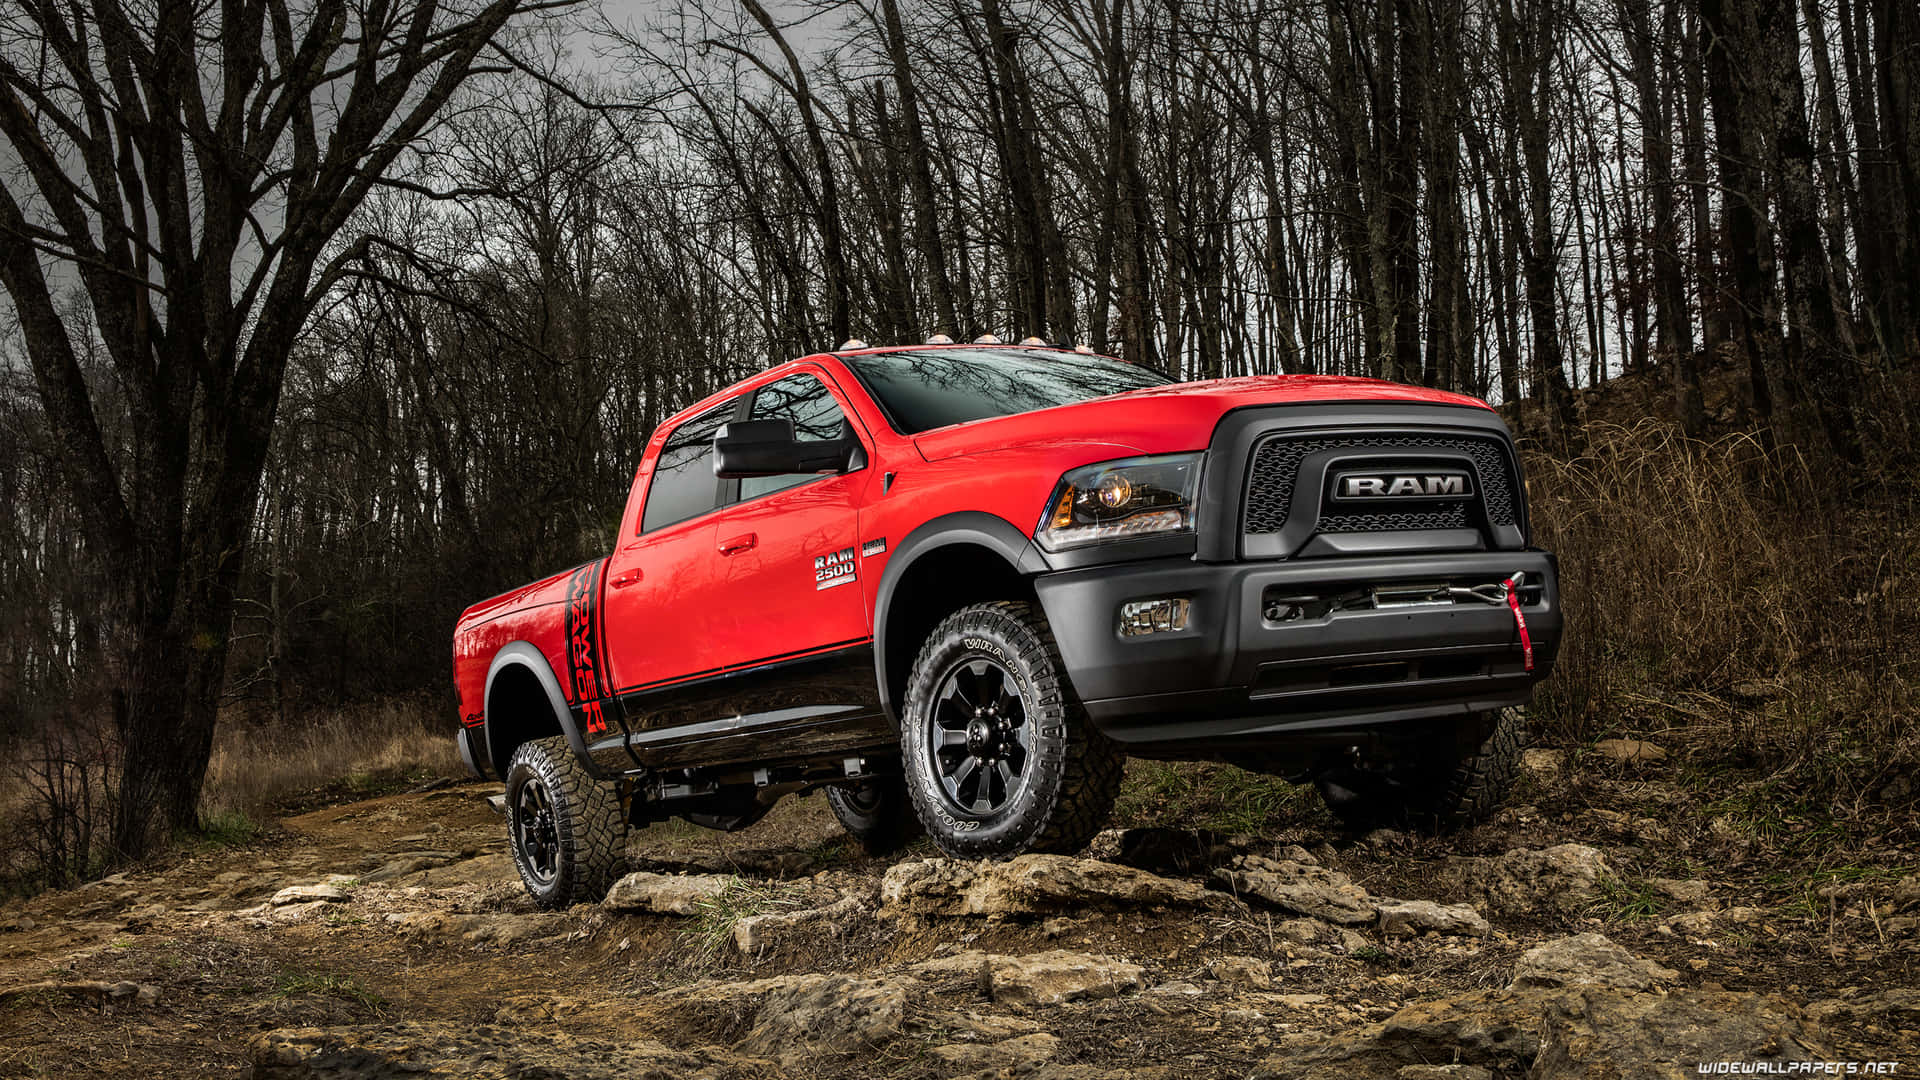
1115, 500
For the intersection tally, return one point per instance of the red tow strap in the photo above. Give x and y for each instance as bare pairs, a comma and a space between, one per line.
1512, 588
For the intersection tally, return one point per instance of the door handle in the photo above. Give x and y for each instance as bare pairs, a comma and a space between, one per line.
625, 579
743, 542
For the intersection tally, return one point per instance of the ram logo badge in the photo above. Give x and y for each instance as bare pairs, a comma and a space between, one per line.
835, 569
873, 547
1438, 485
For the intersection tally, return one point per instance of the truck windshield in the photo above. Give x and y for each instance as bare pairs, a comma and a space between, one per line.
923, 389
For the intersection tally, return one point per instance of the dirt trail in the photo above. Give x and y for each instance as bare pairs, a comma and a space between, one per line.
1164, 954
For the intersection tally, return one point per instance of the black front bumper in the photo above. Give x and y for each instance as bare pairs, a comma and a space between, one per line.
1236, 680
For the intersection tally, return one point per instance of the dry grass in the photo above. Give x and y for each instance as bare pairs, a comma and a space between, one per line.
364, 748
1733, 597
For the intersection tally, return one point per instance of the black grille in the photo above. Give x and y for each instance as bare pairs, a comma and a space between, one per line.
1453, 517
1276, 462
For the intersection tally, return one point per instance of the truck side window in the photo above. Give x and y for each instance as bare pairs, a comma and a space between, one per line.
683, 484
816, 417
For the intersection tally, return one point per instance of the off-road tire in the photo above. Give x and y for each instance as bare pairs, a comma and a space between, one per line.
588, 836
1445, 789
1071, 772
877, 812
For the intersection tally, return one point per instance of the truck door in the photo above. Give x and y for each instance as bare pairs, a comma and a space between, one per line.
660, 580
782, 617
788, 550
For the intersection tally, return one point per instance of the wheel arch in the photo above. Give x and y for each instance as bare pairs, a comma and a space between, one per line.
524, 702
940, 567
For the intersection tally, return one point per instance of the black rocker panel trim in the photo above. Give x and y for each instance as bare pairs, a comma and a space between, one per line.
802, 707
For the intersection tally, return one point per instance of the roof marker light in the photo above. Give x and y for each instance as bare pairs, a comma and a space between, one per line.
939, 339
1084, 350
986, 339
852, 343
1031, 340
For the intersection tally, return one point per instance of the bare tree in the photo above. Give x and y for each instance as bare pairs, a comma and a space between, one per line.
189, 167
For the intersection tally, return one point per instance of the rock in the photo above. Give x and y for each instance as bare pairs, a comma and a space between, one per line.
1010, 1057
979, 1027
1629, 751
1299, 888
1887, 1009
1692, 891
1604, 1033
1587, 959
665, 894
1305, 931
1584, 1032
1029, 885
440, 1049
757, 933
799, 1017
1177, 989
100, 991
1050, 978
1490, 1028
1543, 765
1245, 971
1442, 1072
1692, 924
308, 894
1409, 917
485, 929
17, 924
1565, 878
1494, 1030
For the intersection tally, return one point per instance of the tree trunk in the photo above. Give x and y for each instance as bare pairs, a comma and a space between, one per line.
926, 214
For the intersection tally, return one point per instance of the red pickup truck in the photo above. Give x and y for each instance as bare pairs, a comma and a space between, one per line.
957, 584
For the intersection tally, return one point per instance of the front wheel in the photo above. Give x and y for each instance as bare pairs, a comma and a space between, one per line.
1446, 788
1000, 757
566, 829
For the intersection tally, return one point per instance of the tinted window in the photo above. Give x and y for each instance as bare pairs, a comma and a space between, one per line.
816, 417
925, 389
683, 483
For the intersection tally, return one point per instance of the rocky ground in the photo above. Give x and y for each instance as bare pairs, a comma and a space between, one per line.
1612, 922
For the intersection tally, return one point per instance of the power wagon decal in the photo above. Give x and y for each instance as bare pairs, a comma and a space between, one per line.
583, 645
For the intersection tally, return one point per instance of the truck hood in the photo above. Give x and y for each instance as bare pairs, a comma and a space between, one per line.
1166, 419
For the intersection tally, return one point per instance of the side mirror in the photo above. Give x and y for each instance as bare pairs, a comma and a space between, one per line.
767, 448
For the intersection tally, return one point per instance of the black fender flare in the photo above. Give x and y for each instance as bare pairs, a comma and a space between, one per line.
976, 527
524, 654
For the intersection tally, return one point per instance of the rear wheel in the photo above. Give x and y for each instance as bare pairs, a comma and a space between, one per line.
1444, 787
876, 812
1000, 757
566, 829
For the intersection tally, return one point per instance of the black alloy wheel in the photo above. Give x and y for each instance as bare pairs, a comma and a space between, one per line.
982, 738
535, 833
1000, 756
567, 830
